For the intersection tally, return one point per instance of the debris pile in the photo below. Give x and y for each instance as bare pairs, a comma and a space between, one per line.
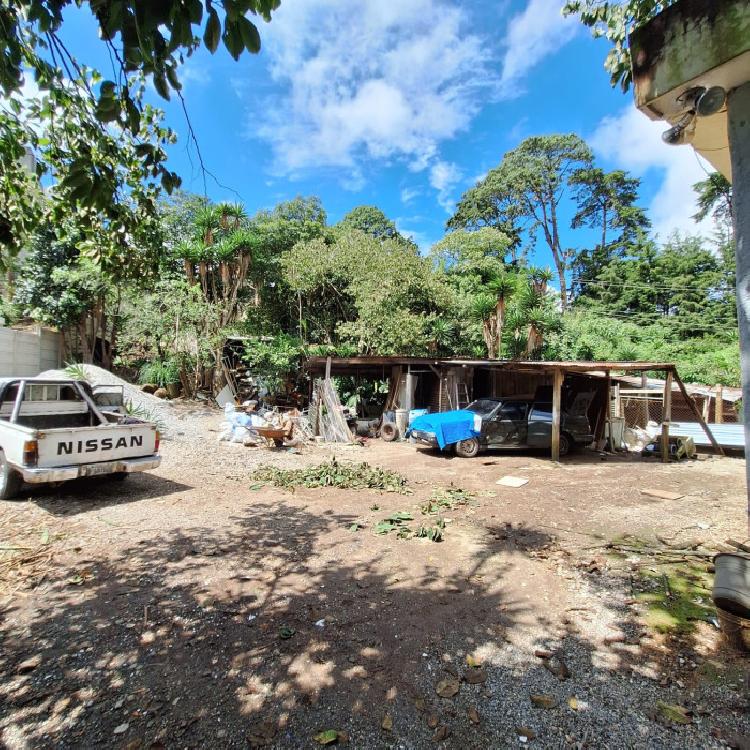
264, 427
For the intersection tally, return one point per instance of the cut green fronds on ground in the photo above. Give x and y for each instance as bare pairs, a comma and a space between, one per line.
446, 498
350, 476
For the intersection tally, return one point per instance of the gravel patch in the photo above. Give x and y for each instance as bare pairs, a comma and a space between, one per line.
174, 422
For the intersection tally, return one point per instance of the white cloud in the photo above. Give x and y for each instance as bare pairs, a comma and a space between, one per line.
631, 141
534, 33
409, 194
367, 79
444, 176
194, 72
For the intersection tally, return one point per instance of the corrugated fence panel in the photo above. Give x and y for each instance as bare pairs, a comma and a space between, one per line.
727, 435
27, 353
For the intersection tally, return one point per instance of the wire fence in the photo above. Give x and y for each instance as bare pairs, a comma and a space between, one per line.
639, 409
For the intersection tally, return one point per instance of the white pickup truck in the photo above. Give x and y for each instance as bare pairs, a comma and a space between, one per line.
55, 430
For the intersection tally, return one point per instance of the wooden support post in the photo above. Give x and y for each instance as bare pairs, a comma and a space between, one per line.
645, 416
666, 417
618, 402
556, 404
719, 404
328, 368
717, 448
608, 413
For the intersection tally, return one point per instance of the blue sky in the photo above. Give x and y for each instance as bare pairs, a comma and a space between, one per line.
405, 105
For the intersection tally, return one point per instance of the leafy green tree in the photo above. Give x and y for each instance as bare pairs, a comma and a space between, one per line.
527, 189
107, 152
172, 322
510, 303
60, 287
376, 295
110, 203
705, 358
615, 21
606, 202
714, 198
686, 285
371, 220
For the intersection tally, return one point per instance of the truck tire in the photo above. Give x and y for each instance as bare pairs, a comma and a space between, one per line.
389, 432
467, 448
10, 480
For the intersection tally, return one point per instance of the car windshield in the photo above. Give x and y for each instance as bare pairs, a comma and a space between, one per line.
483, 406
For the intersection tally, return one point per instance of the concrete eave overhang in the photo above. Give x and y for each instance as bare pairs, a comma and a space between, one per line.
693, 43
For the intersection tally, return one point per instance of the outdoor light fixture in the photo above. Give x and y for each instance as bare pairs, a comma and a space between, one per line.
710, 101
697, 101
676, 134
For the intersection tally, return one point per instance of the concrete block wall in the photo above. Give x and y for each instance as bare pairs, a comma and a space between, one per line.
27, 352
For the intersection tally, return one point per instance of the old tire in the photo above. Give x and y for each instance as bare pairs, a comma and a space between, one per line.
467, 448
389, 432
10, 480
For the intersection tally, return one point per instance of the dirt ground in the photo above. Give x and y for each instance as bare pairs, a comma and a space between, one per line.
189, 607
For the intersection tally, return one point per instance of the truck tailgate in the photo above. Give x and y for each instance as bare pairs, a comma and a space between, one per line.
66, 447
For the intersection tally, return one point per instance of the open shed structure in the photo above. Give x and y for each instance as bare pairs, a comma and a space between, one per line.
446, 384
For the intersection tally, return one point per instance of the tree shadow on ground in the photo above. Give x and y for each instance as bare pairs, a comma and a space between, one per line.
94, 493
269, 630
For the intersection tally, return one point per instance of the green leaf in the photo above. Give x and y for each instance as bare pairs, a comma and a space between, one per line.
250, 35
674, 713
233, 39
160, 84
174, 81
107, 90
327, 737
383, 527
212, 33
400, 516
257, 486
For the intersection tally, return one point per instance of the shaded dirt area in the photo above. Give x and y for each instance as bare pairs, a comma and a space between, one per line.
190, 608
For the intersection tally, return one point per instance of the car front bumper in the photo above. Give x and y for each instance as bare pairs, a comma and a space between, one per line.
64, 473
425, 438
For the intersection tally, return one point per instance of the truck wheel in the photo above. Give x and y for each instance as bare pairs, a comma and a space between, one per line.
467, 448
10, 480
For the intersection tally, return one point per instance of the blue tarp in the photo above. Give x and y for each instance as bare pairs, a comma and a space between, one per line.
449, 426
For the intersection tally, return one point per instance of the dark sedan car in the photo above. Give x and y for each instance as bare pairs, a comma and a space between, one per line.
521, 423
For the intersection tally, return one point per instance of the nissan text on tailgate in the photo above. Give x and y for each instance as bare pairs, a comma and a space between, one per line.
55, 430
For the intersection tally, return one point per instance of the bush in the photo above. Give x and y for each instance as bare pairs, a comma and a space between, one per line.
160, 372
274, 358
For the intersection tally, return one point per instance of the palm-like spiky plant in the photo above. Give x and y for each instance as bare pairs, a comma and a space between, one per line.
441, 331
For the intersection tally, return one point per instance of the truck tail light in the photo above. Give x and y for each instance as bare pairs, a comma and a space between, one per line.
157, 441
30, 453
